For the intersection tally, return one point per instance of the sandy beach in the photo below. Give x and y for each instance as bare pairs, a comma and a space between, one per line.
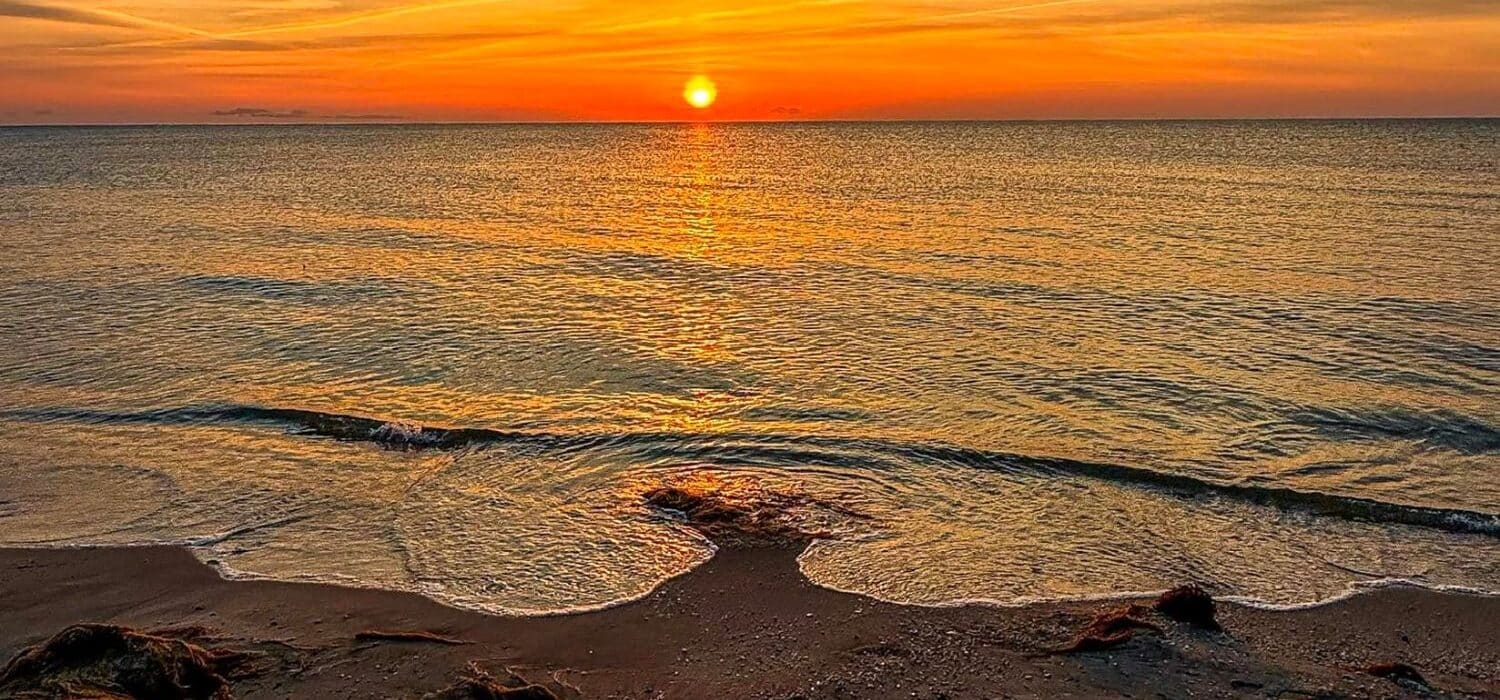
748, 625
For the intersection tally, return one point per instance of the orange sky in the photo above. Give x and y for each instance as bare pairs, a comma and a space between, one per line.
362, 60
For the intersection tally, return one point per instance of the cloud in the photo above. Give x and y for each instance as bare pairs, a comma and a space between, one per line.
266, 113
353, 19
1259, 12
330, 43
27, 10
1053, 17
262, 113
276, 7
1287, 11
59, 12
90, 16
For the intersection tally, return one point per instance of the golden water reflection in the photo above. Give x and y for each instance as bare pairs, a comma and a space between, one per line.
881, 316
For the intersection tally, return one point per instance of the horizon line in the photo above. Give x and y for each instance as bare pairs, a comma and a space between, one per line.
732, 122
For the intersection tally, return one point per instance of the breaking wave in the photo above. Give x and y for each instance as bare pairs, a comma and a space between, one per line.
779, 449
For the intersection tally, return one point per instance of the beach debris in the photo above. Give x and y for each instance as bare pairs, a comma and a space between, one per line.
1190, 604
478, 684
108, 661
407, 636
1110, 629
1399, 673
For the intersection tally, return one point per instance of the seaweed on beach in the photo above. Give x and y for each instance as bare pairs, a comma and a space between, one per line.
478, 684
1110, 629
108, 661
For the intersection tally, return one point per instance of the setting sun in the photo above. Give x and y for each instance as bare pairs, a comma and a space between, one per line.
700, 92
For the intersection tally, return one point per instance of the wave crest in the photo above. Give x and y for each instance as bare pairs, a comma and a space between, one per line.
780, 449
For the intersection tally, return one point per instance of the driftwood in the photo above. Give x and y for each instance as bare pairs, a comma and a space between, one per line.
412, 636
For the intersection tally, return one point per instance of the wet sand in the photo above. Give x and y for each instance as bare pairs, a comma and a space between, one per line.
748, 625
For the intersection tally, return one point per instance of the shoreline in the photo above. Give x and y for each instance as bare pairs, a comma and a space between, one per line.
748, 624
1353, 590
229, 574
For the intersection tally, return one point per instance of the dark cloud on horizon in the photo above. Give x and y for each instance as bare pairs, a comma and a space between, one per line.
265, 113
261, 113
19, 113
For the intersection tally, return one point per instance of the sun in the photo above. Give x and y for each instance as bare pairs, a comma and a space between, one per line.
700, 92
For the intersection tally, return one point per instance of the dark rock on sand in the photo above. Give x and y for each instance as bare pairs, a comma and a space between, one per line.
106, 661
1403, 674
1110, 629
1190, 604
721, 517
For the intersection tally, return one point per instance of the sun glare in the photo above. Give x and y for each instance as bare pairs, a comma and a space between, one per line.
700, 92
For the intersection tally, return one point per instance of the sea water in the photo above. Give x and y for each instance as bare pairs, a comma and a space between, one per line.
989, 361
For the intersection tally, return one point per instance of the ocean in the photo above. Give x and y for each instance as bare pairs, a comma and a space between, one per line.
1000, 362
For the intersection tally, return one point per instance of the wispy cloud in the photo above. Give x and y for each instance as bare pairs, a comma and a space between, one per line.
333, 42
336, 22
27, 10
1096, 20
598, 42
304, 114
607, 28
360, 18
90, 16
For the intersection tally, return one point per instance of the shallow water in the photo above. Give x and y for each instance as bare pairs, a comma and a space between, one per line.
1000, 361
